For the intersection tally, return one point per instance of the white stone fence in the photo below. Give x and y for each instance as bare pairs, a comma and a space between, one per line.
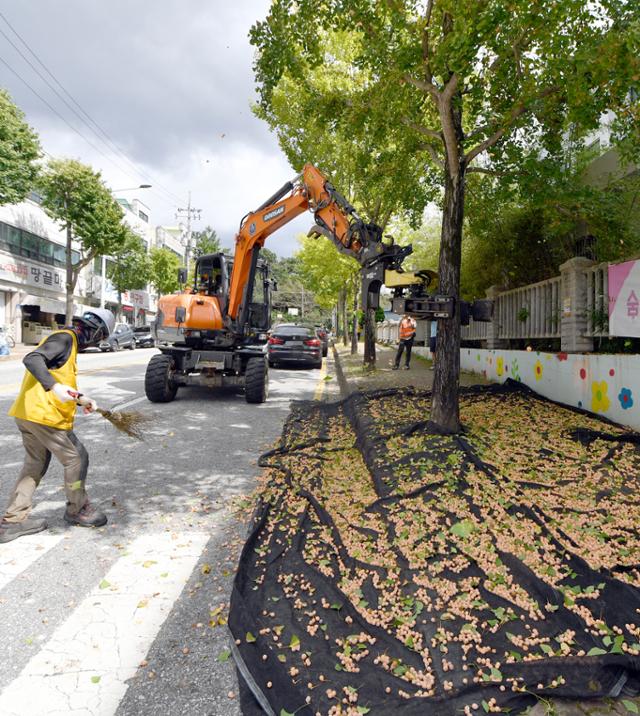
572, 307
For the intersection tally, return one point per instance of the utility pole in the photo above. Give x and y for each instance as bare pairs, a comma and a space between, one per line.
188, 213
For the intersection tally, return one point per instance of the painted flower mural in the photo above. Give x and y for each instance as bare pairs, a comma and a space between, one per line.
500, 366
538, 370
515, 369
625, 396
600, 402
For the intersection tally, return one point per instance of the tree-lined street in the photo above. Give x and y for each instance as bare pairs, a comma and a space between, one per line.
130, 618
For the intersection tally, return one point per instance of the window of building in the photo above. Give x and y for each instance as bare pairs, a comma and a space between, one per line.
143, 216
23, 243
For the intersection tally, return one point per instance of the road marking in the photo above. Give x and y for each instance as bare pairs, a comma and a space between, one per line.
128, 404
321, 381
84, 666
17, 556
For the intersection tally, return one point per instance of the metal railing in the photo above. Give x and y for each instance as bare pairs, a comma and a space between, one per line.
597, 300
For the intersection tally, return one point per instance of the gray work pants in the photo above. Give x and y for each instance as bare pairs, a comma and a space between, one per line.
40, 442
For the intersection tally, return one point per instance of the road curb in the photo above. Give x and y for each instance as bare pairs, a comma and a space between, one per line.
345, 389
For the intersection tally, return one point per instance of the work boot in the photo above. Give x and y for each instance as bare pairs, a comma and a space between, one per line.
406, 367
395, 367
88, 516
13, 530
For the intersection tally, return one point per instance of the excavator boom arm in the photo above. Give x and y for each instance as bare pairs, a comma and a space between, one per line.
334, 216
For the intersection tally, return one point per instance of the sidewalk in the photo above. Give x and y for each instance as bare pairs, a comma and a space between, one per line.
353, 377
18, 352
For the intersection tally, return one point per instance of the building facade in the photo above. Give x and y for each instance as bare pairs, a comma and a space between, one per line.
32, 272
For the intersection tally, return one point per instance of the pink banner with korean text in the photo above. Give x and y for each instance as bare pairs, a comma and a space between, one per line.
624, 299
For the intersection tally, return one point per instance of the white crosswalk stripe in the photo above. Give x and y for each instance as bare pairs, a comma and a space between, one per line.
19, 555
83, 667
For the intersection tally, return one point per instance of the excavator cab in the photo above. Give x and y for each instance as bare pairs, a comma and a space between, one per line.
211, 275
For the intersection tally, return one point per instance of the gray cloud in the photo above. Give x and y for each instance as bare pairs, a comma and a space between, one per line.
171, 83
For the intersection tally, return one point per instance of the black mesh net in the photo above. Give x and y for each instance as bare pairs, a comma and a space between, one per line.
390, 566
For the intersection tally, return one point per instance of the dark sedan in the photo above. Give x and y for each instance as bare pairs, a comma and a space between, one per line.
144, 339
290, 343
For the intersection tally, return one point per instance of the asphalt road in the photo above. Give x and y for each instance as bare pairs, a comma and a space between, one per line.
126, 619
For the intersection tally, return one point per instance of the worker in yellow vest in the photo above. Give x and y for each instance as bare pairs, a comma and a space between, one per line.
406, 335
44, 412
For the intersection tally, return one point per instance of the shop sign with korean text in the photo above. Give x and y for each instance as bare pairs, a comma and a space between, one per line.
31, 274
624, 299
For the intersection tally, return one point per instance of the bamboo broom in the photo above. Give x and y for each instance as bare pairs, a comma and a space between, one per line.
130, 422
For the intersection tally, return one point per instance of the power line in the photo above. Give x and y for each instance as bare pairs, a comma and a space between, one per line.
55, 111
113, 146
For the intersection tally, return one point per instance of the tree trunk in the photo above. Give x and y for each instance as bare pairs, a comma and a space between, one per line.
345, 321
444, 409
370, 338
354, 332
70, 281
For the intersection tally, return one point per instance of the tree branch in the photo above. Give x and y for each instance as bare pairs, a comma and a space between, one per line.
433, 133
424, 85
492, 172
426, 51
450, 87
449, 134
517, 111
437, 159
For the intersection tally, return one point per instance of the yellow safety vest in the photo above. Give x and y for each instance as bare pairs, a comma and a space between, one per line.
38, 405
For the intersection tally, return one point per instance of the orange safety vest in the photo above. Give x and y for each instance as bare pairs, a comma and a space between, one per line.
38, 405
407, 329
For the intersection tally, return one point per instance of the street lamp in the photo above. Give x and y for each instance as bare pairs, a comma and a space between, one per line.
103, 265
131, 188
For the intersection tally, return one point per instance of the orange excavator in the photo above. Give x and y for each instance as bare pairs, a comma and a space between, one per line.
213, 333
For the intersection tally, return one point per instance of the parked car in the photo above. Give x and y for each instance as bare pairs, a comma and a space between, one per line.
122, 337
144, 339
291, 343
323, 335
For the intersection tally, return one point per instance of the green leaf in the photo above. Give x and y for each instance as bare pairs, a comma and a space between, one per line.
284, 712
223, 656
95, 679
462, 529
104, 584
282, 658
363, 709
631, 706
249, 638
485, 706
496, 674
596, 651
294, 641
337, 606
547, 649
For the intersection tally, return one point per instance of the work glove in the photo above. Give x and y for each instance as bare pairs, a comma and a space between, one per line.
88, 405
64, 393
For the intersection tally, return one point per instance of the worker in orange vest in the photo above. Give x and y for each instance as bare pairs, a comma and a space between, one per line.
406, 335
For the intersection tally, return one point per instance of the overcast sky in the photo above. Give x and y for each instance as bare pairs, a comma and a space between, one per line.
170, 83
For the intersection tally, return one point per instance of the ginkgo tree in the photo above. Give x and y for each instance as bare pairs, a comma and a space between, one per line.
478, 82
376, 172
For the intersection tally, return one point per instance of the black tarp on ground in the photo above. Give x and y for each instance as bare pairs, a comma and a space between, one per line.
391, 567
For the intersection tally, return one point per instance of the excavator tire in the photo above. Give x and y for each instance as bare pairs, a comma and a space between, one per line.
157, 380
256, 381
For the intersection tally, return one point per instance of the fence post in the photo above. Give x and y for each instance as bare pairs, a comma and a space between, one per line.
574, 319
493, 328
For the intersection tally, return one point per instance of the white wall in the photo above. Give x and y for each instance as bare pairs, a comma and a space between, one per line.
604, 384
